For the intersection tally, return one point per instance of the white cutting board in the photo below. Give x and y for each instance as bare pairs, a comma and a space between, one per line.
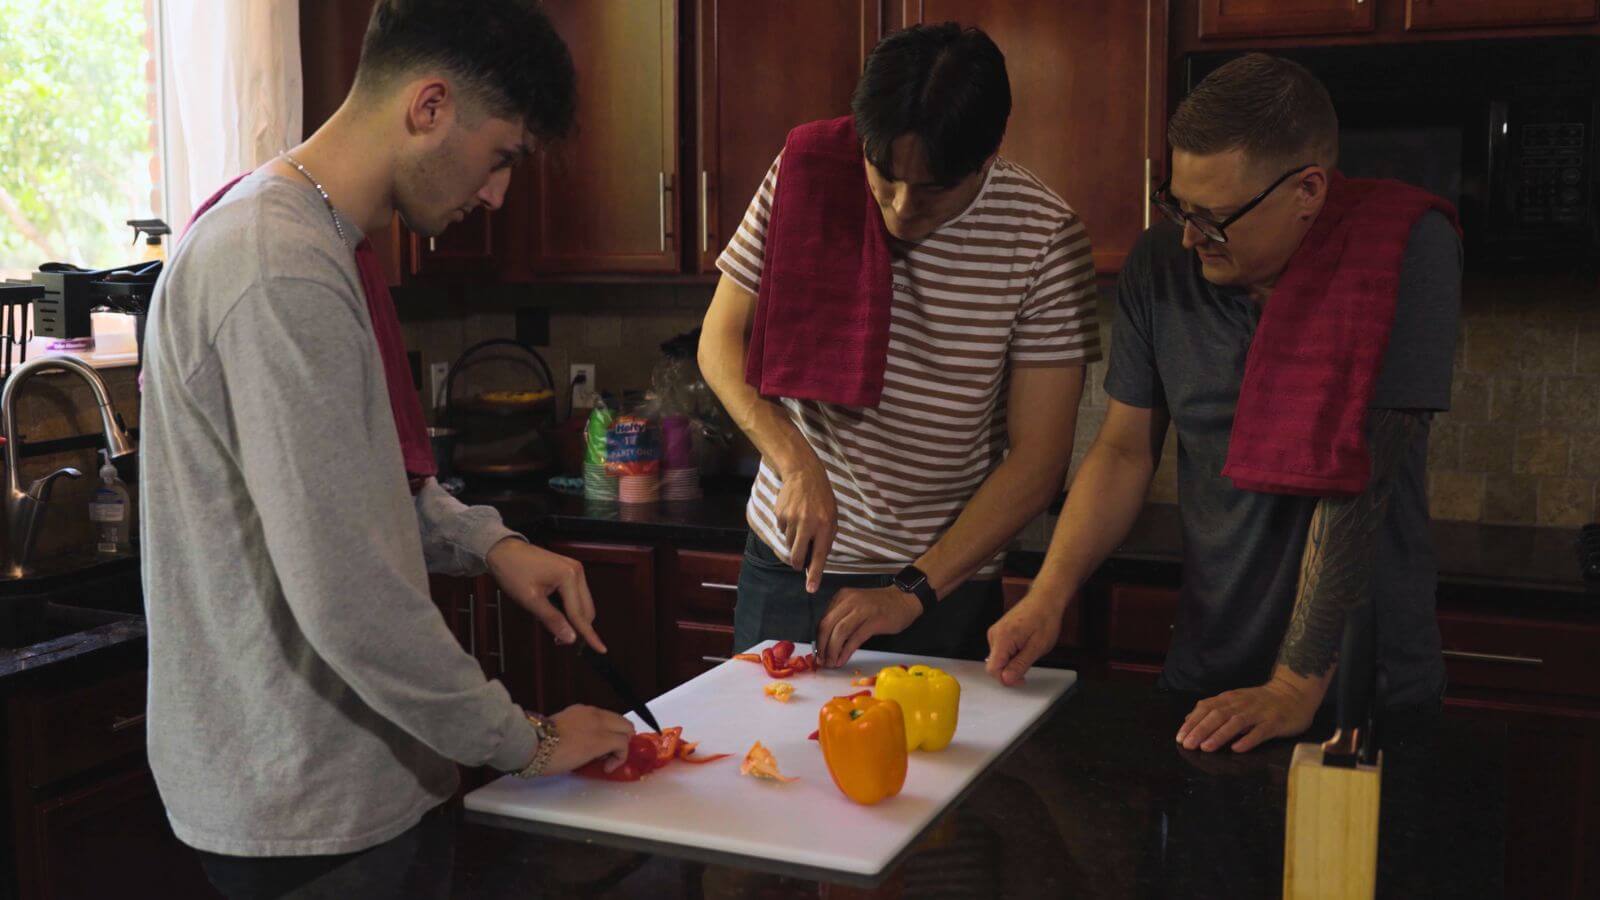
808, 823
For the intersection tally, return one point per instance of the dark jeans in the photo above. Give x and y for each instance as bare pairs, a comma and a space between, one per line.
416, 863
773, 605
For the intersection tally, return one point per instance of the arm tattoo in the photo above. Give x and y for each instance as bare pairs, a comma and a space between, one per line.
1336, 568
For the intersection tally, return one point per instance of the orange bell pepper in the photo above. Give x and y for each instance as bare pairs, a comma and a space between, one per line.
864, 744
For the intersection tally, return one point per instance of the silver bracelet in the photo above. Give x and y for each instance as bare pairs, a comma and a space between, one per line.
548, 740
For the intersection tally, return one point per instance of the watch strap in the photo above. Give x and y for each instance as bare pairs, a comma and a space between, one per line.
914, 581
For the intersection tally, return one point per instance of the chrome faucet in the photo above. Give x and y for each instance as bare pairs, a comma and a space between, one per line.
24, 507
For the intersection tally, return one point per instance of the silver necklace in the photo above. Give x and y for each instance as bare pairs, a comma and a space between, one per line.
325, 198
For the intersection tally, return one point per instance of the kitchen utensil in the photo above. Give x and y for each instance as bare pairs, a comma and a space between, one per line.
603, 666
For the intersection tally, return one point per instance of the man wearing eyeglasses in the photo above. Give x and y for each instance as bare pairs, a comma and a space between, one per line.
1268, 571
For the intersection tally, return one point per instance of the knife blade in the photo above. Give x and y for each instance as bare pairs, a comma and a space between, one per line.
603, 667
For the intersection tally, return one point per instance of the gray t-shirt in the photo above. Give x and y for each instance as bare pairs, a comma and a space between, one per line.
1180, 342
305, 696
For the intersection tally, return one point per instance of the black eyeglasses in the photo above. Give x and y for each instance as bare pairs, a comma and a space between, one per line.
1162, 198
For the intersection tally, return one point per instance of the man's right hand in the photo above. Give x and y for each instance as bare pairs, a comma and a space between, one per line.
586, 734
1021, 636
809, 519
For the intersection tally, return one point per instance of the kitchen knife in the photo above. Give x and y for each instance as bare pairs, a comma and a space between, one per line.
1352, 740
607, 670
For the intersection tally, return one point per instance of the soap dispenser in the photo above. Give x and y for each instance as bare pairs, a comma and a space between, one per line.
110, 510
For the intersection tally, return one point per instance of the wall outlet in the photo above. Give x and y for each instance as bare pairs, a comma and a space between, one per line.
437, 373
585, 394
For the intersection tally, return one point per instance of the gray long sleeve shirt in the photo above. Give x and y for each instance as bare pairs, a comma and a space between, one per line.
305, 694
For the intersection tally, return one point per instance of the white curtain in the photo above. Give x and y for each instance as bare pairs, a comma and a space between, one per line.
231, 93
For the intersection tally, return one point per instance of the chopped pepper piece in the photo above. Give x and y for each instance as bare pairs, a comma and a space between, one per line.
864, 745
760, 763
930, 700
647, 753
781, 691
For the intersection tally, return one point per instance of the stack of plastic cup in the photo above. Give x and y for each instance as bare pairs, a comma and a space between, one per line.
677, 445
680, 484
598, 484
639, 488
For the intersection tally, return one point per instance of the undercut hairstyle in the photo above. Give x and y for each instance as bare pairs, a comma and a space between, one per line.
1274, 110
504, 56
945, 84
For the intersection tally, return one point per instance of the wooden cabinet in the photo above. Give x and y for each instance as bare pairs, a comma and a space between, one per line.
607, 199
1425, 15
472, 611
1088, 94
1271, 18
698, 591
112, 839
86, 818
763, 69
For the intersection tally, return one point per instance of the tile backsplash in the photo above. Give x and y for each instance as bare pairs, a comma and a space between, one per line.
618, 328
1520, 445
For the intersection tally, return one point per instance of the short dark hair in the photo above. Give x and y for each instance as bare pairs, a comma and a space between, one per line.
504, 54
1274, 110
943, 83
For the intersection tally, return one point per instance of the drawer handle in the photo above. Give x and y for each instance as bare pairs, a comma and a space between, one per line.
719, 586
1472, 656
123, 723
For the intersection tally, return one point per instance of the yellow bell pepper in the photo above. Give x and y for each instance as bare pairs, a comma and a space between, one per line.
864, 744
930, 699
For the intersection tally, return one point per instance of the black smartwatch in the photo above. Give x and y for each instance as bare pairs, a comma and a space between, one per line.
912, 580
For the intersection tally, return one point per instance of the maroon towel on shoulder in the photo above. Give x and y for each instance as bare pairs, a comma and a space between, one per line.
1314, 362
821, 329
415, 447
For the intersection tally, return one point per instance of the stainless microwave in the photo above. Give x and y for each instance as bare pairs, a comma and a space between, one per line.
1509, 131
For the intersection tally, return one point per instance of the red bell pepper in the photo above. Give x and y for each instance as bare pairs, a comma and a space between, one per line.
647, 753
780, 662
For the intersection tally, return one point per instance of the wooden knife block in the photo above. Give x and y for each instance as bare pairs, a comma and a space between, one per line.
1330, 845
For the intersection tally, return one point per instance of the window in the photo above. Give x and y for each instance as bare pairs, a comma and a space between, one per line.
80, 148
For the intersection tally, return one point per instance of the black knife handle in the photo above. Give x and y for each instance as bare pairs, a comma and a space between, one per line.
1357, 670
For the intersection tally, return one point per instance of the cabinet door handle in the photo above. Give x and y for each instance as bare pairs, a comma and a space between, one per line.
123, 723
705, 207
433, 245
719, 586
500, 626
664, 183
1144, 197
1473, 656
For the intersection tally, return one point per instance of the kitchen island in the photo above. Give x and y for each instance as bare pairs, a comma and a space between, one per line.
1098, 802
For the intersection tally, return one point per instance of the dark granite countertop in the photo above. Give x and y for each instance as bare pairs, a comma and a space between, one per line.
1496, 556
122, 630
1099, 802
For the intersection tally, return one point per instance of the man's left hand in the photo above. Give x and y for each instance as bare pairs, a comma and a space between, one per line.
1246, 718
856, 615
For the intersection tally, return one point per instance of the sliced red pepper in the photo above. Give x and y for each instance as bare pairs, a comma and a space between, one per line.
815, 735
781, 651
647, 753
641, 761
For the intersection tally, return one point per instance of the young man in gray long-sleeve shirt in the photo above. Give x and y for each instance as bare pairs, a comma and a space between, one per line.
306, 698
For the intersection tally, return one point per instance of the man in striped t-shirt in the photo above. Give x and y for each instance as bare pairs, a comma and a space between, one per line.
892, 520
